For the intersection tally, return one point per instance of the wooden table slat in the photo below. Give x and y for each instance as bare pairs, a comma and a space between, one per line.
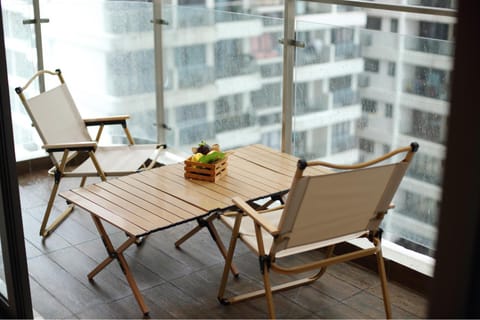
128, 195
193, 194
103, 213
183, 210
251, 171
265, 160
131, 216
160, 195
230, 185
309, 171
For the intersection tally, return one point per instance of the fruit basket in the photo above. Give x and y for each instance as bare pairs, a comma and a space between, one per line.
205, 171
207, 164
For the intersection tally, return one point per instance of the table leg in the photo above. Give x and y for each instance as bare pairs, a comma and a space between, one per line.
208, 223
216, 238
118, 254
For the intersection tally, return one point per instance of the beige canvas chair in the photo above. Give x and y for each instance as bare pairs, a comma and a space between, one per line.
320, 212
73, 152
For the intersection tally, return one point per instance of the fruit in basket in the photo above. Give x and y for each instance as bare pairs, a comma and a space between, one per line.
203, 147
197, 156
212, 156
206, 154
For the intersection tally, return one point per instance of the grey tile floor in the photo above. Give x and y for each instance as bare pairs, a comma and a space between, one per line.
176, 283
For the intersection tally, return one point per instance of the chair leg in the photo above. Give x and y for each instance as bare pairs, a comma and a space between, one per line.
45, 230
383, 280
268, 291
228, 265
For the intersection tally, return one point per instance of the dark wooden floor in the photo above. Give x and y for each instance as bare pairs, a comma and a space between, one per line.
176, 283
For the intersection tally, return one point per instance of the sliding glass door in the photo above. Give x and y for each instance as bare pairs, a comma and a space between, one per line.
15, 301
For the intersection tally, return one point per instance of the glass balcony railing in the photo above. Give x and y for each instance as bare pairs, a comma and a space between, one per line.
432, 46
367, 114
223, 76
345, 97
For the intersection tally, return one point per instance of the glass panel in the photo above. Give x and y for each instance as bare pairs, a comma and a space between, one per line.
226, 72
374, 92
21, 65
108, 63
3, 282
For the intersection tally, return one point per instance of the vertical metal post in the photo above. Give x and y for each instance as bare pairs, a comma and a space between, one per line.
158, 50
288, 85
38, 42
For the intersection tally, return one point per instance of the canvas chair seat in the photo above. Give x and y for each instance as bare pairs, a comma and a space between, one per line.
71, 149
321, 211
132, 156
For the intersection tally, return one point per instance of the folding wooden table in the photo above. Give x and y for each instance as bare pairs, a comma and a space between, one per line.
160, 198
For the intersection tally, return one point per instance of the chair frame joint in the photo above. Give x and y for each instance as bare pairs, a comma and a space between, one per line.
302, 164
265, 260
224, 301
375, 234
57, 175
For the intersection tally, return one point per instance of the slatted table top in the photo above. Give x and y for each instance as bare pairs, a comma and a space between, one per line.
159, 198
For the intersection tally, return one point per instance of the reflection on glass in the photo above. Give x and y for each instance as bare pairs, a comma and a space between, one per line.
381, 90
21, 65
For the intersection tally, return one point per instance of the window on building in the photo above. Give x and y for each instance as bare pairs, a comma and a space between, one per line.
369, 106
386, 148
190, 56
428, 126
419, 207
372, 65
228, 106
341, 137
342, 35
300, 143
191, 113
270, 95
366, 145
339, 83
389, 110
391, 69
427, 168
374, 23
394, 25
433, 30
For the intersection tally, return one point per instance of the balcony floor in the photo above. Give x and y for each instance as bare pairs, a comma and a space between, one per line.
176, 283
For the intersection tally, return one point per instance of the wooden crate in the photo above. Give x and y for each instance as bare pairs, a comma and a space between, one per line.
205, 171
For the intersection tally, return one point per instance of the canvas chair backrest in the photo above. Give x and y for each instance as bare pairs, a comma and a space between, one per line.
56, 117
323, 207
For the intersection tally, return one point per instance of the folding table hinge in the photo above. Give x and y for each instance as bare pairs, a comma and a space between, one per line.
265, 260
202, 222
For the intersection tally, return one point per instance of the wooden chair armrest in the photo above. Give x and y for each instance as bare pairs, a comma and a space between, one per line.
118, 119
74, 146
257, 217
